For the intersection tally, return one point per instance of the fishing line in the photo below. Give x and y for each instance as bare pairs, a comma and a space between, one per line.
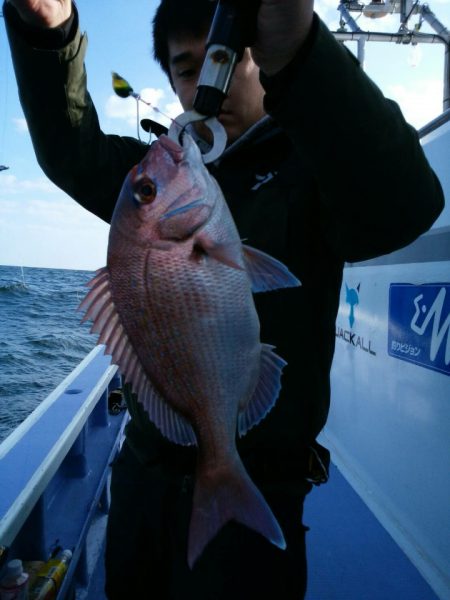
156, 109
138, 98
123, 89
138, 121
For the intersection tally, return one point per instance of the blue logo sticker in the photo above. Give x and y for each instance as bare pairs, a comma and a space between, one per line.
352, 298
350, 336
419, 324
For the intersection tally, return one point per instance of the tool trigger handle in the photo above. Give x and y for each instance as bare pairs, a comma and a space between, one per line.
233, 29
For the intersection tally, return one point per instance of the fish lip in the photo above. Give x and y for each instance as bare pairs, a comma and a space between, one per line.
170, 145
182, 209
175, 150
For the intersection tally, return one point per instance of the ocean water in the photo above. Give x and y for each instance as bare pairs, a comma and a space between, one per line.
41, 337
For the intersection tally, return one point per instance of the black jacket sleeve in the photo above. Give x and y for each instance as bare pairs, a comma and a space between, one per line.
376, 188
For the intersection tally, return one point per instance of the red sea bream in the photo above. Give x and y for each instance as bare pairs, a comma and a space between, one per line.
174, 308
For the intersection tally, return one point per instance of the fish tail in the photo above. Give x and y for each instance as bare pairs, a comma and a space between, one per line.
228, 495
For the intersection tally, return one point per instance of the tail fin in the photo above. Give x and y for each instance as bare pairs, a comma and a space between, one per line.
228, 495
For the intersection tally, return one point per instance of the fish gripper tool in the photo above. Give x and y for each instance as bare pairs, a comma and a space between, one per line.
233, 29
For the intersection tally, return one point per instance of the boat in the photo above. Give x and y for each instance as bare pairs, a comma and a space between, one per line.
379, 529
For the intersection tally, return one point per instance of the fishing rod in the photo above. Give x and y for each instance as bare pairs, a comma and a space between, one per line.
3, 167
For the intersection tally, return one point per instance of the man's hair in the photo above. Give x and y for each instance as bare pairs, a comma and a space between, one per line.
179, 17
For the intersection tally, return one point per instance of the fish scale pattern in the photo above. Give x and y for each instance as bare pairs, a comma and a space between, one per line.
199, 334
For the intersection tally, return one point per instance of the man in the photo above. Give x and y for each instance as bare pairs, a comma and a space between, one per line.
282, 178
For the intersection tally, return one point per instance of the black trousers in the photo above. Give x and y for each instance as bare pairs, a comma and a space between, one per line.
147, 542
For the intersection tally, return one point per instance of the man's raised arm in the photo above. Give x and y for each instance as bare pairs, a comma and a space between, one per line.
48, 53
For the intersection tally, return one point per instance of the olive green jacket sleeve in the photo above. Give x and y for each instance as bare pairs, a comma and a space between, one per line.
376, 189
69, 144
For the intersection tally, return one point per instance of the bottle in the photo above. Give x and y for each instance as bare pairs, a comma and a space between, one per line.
14, 583
3, 555
49, 578
32, 567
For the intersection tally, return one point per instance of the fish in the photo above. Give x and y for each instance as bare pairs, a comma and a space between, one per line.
174, 307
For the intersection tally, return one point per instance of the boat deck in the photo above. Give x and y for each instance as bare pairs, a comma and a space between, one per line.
350, 555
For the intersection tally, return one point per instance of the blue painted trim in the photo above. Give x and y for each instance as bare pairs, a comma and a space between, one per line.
27, 466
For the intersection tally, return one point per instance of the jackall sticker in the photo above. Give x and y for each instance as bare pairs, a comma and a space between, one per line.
348, 334
419, 324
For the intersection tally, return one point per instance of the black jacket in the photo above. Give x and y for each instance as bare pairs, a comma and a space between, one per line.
334, 174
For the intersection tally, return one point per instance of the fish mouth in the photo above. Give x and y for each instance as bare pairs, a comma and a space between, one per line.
169, 144
175, 150
182, 209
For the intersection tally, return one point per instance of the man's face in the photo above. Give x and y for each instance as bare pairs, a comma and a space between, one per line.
244, 104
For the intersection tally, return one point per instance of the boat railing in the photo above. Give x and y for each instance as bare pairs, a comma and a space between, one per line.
407, 33
434, 124
54, 469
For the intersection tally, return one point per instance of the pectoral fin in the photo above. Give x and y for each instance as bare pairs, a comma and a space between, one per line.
267, 273
227, 253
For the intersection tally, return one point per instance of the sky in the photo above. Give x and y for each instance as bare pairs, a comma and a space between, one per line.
40, 226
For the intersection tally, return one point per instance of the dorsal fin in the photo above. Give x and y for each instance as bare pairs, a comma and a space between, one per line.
266, 391
100, 308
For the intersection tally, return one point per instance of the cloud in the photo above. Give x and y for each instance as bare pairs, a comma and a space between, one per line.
326, 9
173, 109
165, 112
20, 125
10, 184
153, 96
421, 101
323, 7
51, 233
126, 110
119, 108
59, 210
164, 107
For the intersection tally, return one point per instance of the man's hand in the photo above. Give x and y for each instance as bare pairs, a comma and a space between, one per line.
282, 28
43, 13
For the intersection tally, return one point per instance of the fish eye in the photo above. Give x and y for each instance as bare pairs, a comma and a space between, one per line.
145, 191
